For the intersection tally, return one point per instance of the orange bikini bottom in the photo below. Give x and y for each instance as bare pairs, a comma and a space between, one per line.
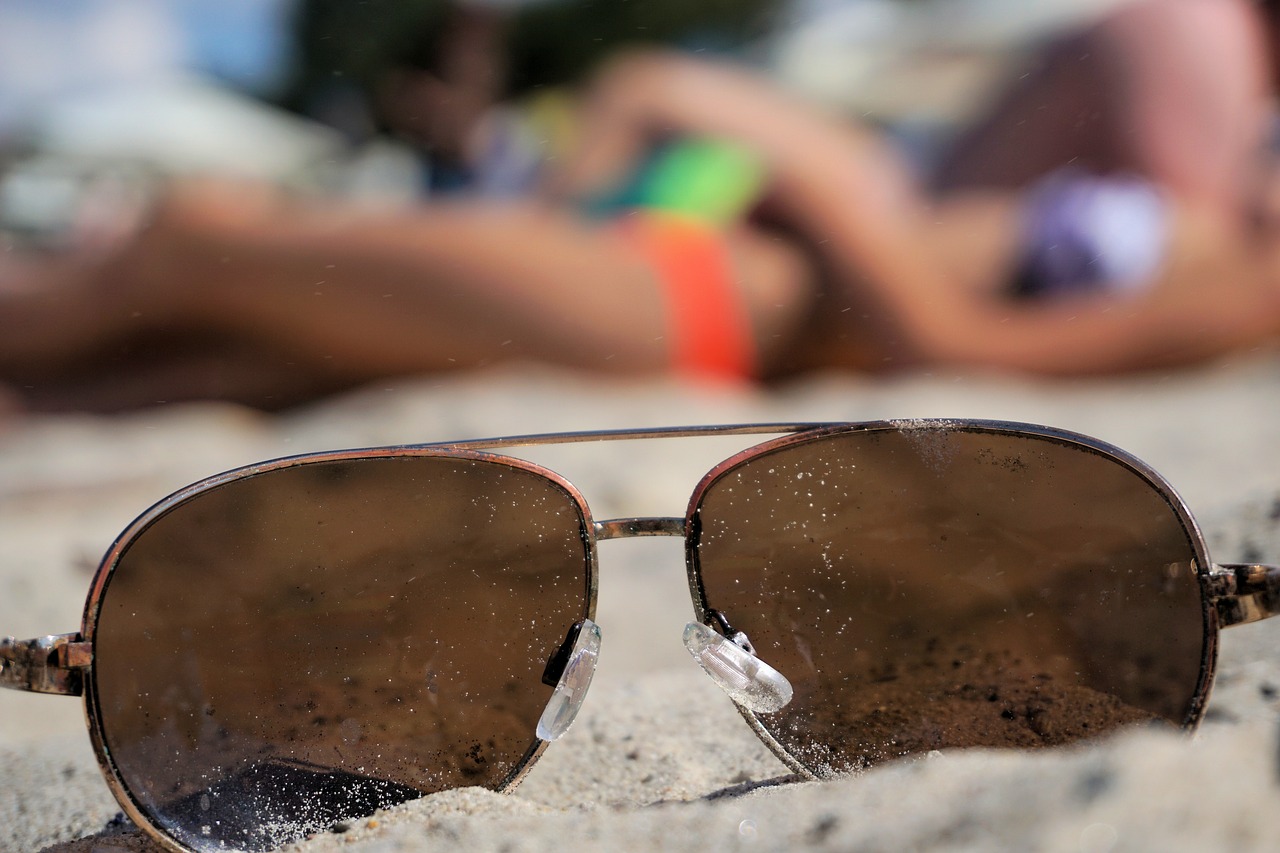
708, 325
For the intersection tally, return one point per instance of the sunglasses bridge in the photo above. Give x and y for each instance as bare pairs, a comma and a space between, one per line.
637, 526
623, 528
726, 655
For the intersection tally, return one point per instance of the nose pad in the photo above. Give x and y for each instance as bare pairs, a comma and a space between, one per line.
749, 681
580, 654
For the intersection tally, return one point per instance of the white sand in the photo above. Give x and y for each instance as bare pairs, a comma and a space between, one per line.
659, 760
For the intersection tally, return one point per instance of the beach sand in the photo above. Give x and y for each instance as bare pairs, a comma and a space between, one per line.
659, 759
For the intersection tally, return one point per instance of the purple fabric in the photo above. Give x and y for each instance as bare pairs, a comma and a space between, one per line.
1089, 233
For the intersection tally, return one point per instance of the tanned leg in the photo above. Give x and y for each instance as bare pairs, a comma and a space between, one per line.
345, 296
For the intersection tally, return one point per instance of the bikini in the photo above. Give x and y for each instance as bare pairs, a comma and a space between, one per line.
1087, 233
675, 215
708, 326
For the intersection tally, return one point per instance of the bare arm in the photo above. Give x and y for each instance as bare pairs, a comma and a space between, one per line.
1192, 95
1216, 292
1174, 90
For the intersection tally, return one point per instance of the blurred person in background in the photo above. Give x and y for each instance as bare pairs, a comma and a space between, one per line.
706, 222
435, 72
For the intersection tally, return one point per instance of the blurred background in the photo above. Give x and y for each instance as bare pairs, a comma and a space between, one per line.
872, 186
111, 94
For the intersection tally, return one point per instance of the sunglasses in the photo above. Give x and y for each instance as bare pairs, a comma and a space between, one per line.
296, 644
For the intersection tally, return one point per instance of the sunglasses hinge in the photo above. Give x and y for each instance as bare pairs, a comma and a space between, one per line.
1243, 593
49, 664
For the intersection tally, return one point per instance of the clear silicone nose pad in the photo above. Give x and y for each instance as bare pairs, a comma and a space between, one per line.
749, 681
579, 665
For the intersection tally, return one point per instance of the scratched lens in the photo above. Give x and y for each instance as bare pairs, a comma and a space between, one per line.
926, 588
298, 648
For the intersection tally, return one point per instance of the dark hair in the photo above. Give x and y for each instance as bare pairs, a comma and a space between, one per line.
548, 44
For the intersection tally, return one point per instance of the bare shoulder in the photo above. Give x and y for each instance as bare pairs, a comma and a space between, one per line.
1223, 33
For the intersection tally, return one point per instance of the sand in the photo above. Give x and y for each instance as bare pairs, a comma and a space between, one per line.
658, 759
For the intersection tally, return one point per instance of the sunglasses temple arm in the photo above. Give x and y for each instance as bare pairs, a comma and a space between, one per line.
50, 664
1244, 592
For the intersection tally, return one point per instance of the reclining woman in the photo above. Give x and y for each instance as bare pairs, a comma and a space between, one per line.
839, 261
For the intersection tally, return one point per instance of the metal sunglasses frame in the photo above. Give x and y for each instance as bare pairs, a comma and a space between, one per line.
1231, 594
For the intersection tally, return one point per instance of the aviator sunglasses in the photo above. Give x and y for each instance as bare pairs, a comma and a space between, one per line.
298, 643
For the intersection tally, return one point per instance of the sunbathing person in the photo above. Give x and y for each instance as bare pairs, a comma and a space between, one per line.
834, 260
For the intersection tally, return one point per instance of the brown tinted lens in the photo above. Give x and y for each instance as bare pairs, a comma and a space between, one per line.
943, 588
298, 648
